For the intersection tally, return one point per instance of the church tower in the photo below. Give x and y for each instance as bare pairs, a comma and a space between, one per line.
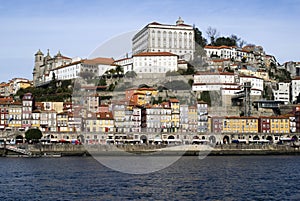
39, 61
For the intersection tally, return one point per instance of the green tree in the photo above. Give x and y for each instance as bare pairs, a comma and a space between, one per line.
190, 70
53, 76
86, 75
33, 135
191, 82
239, 42
298, 99
225, 41
111, 87
205, 96
102, 82
130, 74
199, 40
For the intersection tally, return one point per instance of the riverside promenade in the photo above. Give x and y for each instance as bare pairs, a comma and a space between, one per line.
28, 150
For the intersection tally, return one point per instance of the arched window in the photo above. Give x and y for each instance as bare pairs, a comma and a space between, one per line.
185, 40
170, 39
153, 38
164, 39
175, 39
158, 38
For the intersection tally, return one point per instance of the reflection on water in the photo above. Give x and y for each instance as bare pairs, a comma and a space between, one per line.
213, 178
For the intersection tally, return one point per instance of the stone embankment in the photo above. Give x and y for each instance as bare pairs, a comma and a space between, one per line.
218, 150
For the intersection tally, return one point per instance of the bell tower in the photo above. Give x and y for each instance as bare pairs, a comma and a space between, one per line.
39, 61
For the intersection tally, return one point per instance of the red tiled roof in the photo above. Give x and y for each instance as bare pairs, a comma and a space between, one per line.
238, 117
155, 23
122, 59
296, 78
154, 54
212, 73
231, 88
220, 60
249, 76
219, 47
105, 115
99, 60
234, 84
16, 103
174, 100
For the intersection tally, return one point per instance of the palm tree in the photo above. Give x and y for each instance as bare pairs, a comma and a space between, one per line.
119, 70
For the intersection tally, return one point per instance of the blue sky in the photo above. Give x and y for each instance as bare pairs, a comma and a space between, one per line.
77, 27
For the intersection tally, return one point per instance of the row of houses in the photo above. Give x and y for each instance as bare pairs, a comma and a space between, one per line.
124, 117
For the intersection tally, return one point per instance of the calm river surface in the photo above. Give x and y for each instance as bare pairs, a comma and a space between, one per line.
212, 178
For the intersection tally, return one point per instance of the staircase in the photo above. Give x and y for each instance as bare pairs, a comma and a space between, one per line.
18, 150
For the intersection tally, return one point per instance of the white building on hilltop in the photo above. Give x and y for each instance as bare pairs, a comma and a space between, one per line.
155, 37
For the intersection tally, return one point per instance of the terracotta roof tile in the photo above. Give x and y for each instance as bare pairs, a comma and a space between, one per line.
154, 54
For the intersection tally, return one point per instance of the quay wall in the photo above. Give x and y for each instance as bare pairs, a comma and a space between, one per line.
218, 150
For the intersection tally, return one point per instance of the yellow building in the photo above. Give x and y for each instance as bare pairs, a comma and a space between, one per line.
15, 115
62, 122
36, 117
192, 118
57, 106
235, 124
279, 124
140, 96
101, 122
24, 85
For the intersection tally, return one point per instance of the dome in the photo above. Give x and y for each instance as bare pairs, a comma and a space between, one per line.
48, 55
59, 54
39, 52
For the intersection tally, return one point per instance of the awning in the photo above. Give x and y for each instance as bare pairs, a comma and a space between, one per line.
263, 141
198, 140
266, 141
286, 139
173, 140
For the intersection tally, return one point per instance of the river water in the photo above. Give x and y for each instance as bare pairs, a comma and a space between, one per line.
212, 178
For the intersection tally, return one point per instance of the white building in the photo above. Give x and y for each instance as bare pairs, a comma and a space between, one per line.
126, 63
208, 77
95, 67
229, 52
226, 83
154, 62
18, 83
295, 88
282, 93
256, 82
155, 37
150, 62
64, 68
